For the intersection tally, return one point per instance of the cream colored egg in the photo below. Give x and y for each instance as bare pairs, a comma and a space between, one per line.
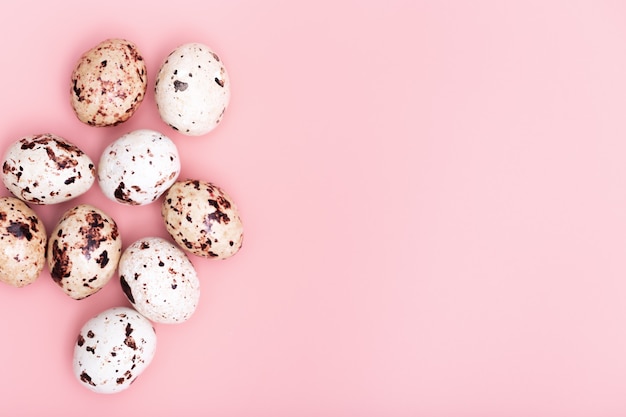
202, 219
108, 83
112, 349
192, 89
84, 249
46, 169
159, 280
22, 243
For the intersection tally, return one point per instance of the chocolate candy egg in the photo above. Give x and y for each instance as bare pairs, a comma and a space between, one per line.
83, 251
202, 219
108, 83
22, 243
112, 349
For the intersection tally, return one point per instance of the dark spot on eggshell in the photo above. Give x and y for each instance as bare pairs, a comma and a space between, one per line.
77, 91
217, 216
34, 223
129, 329
62, 263
86, 379
90, 334
123, 195
219, 82
20, 230
92, 234
103, 259
126, 289
180, 86
81, 340
130, 342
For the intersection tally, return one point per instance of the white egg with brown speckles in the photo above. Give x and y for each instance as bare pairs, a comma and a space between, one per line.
47, 169
112, 349
108, 83
202, 219
22, 243
192, 89
138, 167
159, 280
84, 249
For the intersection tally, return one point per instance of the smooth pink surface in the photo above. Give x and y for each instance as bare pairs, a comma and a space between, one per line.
434, 197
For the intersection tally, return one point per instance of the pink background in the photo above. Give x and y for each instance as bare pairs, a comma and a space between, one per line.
434, 196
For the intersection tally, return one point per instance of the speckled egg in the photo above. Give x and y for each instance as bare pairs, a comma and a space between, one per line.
137, 168
192, 89
108, 83
46, 169
113, 349
22, 243
159, 280
84, 249
202, 219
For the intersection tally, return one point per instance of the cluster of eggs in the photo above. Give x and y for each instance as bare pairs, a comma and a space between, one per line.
84, 249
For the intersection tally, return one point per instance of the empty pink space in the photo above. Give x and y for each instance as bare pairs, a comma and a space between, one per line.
433, 197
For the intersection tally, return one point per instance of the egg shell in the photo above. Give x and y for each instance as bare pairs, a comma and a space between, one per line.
138, 167
84, 249
108, 83
22, 243
192, 89
47, 169
202, 219
159, 280
112, 349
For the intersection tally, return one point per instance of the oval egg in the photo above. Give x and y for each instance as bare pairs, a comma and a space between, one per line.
83, 251
108, 83
202, 219
159, 280
46, 169
112, 349
138, 167
192, 89
22, 243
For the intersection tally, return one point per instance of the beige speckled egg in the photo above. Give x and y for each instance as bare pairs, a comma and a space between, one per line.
159, 280
192, 89
108, 83
202, 219
112, 349
84, 249
22, 243
46, 169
